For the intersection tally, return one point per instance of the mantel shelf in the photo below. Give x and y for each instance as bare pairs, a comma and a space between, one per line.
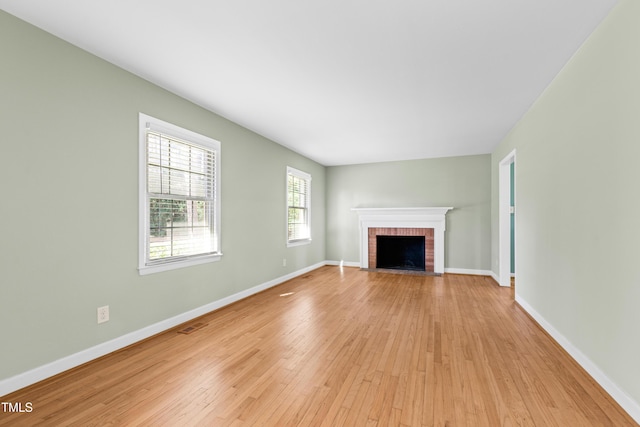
403, 211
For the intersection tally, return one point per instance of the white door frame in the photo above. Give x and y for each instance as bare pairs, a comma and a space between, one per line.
504, 218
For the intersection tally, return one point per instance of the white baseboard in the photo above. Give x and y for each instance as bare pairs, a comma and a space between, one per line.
627, 403
468, 271
40, 373
495, 277
343, 263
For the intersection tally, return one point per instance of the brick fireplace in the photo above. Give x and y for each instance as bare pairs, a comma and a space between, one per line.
428, 222
428, 243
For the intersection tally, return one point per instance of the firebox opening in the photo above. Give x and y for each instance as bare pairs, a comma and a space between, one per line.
400, 252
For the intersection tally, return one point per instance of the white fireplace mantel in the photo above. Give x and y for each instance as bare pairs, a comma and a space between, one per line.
422, 217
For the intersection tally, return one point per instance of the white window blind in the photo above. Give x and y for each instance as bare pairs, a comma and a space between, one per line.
298, 206
181, 210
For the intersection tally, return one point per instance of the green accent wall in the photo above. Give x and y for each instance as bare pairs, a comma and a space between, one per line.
69, 205
577, 214
462, 182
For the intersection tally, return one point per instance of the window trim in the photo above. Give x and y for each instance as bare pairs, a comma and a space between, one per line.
148, 122
306, 176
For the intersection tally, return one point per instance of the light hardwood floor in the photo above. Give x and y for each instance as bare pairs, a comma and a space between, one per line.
338, 347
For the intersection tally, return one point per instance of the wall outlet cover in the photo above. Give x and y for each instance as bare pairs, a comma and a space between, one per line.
103, 314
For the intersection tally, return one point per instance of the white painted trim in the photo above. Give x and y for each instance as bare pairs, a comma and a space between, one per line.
40, 373
495, 277
472, 272
307, 177
301, 242
623, 399
504, 218
146, 123
173, 265
343, 263
414, 217
437, 212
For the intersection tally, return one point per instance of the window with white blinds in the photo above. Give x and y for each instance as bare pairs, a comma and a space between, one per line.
298, 207
179, 197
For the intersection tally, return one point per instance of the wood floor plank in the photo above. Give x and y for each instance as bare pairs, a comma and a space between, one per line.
337, 346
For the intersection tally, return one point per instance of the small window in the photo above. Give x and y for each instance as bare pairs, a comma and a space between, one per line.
298, 207
179, 201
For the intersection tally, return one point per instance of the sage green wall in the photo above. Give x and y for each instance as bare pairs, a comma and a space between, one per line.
461, 182
577, 176
69, 204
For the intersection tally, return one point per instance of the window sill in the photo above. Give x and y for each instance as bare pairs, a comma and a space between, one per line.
298, 242
173, 265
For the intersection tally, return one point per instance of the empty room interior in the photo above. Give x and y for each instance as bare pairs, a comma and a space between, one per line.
337, 213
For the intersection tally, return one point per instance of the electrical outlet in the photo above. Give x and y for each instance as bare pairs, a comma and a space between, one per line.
103, 314
284, 262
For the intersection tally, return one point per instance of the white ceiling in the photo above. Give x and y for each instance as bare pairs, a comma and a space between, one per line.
340, 81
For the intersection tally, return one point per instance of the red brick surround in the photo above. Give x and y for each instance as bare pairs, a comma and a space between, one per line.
428, 242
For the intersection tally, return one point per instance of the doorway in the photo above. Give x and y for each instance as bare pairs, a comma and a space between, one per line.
506, 192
